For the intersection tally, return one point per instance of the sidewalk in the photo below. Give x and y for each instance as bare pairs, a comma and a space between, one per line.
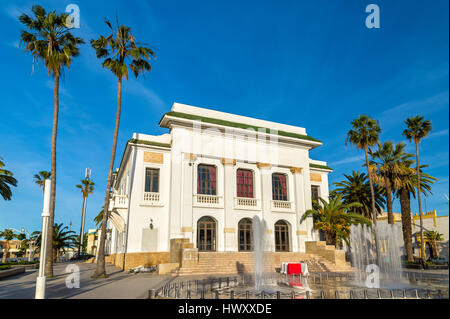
119, 284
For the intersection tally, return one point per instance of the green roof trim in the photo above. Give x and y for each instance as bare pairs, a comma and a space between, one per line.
237, 125
136, 141
320, 166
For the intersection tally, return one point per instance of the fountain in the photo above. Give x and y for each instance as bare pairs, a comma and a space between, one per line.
379, 245
258, 251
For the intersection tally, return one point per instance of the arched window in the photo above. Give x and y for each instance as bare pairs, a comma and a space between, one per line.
206, 234
245, 235
244, 183
281, 236
279, 187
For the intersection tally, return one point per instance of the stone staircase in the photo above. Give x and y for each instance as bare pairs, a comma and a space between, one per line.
243, 262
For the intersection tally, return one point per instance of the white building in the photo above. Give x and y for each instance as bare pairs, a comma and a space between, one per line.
207, 178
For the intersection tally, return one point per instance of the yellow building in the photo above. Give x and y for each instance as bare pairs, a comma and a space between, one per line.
431, 222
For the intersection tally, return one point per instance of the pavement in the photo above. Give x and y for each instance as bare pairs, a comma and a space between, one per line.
119, 284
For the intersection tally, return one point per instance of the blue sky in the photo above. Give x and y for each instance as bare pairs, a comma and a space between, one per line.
308, 63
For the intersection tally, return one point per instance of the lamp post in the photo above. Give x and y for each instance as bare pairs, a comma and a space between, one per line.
40, 280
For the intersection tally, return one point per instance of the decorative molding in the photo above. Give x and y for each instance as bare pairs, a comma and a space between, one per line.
229, 230
295, 170
187, 229
263, 165
302, 232
190, 156
152, 157
315, 177
228, 161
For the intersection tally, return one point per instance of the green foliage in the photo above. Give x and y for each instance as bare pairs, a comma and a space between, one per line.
41, 177
335, 218
417, 128
356, 189
364, 133
6, 181
7, 234
120, 51
49, 39
5, 267
86, 187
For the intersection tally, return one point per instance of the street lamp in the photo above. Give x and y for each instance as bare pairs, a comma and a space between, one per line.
40, 280
87, 175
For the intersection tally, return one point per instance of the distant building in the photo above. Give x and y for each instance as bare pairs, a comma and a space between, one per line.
92, 242
431, 222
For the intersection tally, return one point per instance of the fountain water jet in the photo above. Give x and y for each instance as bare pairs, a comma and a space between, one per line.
258, 250
379, 245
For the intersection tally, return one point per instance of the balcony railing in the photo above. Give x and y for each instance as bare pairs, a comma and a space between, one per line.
208, 200
151, 198
282, 205
120, 201
246, 203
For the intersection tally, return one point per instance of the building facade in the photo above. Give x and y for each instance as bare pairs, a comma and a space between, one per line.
207, 179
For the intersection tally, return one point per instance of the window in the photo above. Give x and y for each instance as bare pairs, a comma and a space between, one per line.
206, 234
315, 192
245, 235
281, 236
244, 183
206, 180
151, 180
279, 187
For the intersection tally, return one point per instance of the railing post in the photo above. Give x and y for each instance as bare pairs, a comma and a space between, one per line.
188, 294
379, 294
336, 294
416, 293
404, 293
151, 294
228, 282
322, 295
232, 294
366, 296
292, 294
217, 294
351, 294
308, 295
278, 294
392, 294
247, 294
202, 294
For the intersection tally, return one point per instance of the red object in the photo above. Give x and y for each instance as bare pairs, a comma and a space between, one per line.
294, 269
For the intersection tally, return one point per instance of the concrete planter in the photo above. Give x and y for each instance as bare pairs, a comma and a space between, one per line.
11, 272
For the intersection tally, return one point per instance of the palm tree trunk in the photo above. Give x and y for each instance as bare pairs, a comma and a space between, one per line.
100, 272
422, 250
405, 204
372, 193
389, 203
6, 251
49, 250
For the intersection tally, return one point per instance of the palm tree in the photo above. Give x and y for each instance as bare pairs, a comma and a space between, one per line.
120, 52
49, 39
408, 186
8, 234
41, 177
364, 134
434, 238
356, 188
86, 187
416, 130
99, 218
6, 179
386, 169
334, 218
61, 239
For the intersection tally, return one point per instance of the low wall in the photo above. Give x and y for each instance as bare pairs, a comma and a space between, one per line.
329, 252
11, 272
138, 259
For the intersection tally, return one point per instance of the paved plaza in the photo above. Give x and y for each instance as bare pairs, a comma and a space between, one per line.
118, 285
